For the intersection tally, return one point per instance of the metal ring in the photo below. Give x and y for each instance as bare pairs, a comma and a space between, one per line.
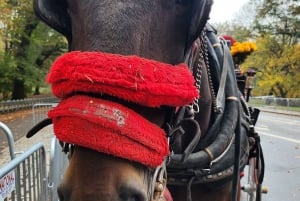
232, 98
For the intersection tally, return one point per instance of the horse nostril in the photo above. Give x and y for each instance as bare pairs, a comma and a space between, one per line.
63, 193
130, 193
60, 195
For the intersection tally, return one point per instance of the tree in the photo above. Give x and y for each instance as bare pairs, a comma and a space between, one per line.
44, 48
240, 27
237, 31
278, 68
27, 42
277, 27
18, 24
246, 14
6, 62
279, 18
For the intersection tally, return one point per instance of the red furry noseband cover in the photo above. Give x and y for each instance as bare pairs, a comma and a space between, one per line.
109, 128
143, 81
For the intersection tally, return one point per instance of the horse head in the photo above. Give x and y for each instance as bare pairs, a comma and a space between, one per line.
161, 30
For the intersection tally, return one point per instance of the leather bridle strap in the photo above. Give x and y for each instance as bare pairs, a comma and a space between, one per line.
159, 182
221, 92
236, 165
36, 128
227, 123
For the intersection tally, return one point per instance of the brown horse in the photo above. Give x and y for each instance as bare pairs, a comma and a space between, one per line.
172, 32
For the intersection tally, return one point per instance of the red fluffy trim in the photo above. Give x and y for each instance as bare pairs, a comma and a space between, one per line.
110, 128
143, 81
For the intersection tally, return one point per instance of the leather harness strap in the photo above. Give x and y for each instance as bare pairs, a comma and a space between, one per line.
193, 168
221, 91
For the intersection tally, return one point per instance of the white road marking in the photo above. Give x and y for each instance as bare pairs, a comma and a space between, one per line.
264, 128
279, 137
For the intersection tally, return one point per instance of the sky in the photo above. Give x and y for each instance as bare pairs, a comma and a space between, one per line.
224, 10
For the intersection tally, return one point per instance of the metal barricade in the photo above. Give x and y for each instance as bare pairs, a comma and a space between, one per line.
10, 139
24, 177
40, 110
58, 164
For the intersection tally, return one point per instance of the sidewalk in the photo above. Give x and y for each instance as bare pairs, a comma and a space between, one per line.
271, 109
44, 136
19, 123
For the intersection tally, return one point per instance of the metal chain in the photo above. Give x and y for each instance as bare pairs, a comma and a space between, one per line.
194, 107
211, 86
203, 57
198, 75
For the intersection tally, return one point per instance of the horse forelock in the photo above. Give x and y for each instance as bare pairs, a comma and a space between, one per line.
154, 29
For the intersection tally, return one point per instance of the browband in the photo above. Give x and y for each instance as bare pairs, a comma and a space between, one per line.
146, 82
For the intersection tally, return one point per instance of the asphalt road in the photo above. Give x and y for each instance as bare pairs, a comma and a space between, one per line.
280, 136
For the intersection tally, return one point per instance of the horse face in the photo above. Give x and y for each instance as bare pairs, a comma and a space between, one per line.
160, 30
155, 29
92, 176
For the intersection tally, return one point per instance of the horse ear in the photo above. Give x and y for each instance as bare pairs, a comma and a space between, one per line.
54, 14
200, 15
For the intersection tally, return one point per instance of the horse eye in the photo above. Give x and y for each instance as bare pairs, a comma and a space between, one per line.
181, 2
127, 197
131, 194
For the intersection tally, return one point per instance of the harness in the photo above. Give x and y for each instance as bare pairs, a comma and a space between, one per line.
217, 157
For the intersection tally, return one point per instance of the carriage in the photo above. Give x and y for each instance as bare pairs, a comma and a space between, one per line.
150, 106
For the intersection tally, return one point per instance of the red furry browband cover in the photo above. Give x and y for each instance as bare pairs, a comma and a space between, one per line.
143, 81
109, 128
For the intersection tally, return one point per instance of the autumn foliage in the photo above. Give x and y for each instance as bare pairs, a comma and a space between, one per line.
240, 51
243, 48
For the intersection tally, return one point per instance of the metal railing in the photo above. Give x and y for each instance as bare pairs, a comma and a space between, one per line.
58, 160
58, 164
275, 101
14, 105
10, 139
24, 178
40, 110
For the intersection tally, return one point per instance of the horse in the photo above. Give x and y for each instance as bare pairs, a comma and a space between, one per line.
195, 146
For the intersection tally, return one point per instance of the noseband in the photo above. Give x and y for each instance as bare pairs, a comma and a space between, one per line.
159, 183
